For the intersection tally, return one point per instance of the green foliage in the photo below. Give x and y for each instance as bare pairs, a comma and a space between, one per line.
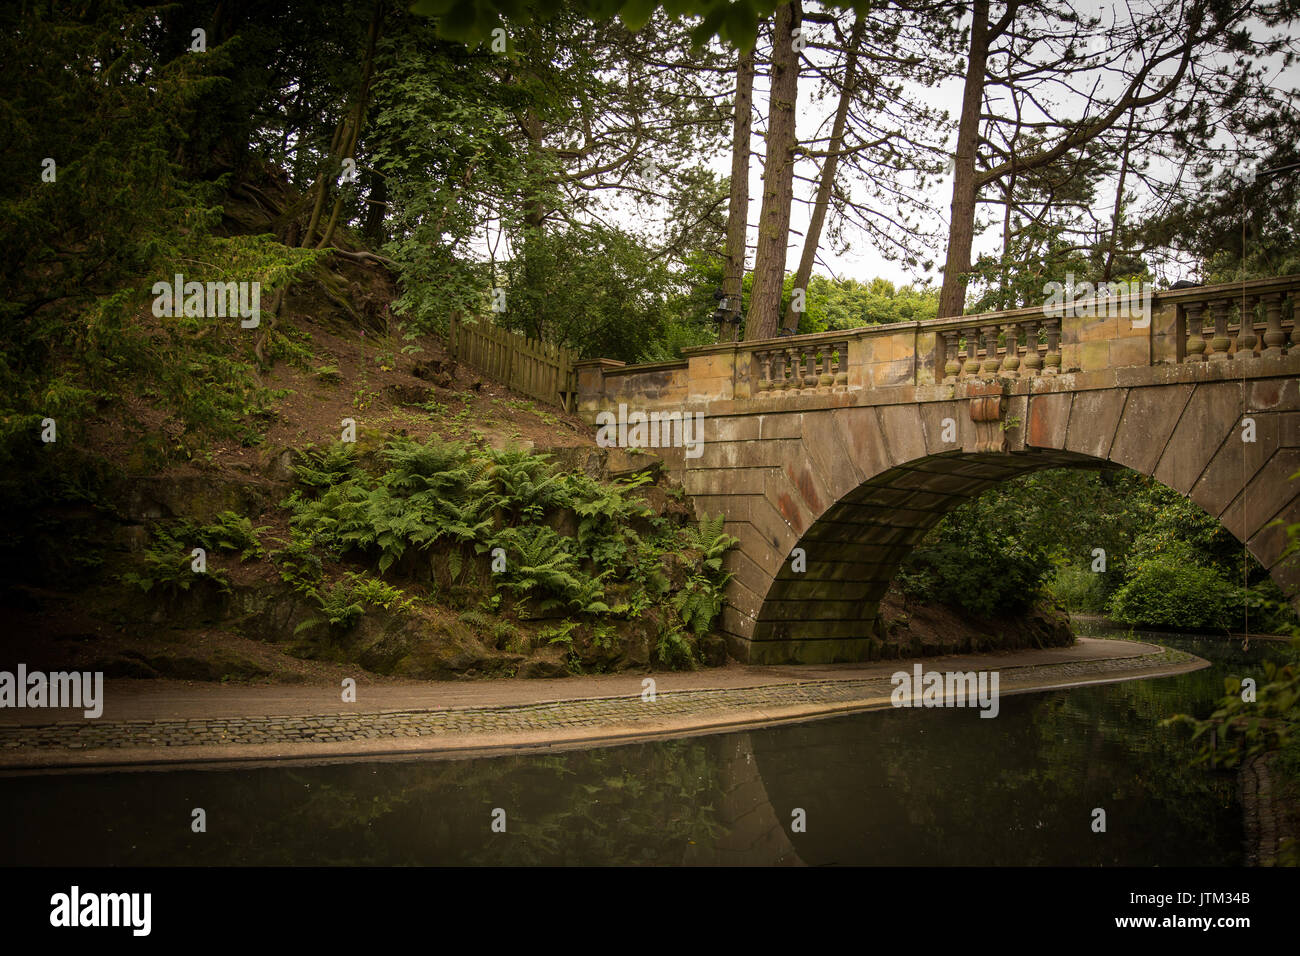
604, 512
699, 600
973, 559
673, 649
540, 565
229, 531
437, 502
987, 553
1240, 729
343, 603
320, 468
167, 564
1078, 589
1172, 589
603, 294
711, 541
472, 20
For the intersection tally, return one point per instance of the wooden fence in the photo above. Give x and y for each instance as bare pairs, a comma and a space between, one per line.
539, 370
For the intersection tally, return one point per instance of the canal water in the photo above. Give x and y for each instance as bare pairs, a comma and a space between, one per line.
897, 787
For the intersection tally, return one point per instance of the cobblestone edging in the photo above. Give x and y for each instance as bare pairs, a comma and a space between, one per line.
518, 718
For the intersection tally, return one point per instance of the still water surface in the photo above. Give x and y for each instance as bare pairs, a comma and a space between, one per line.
899, 787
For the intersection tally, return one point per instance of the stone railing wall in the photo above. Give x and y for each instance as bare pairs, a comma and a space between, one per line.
1104, 332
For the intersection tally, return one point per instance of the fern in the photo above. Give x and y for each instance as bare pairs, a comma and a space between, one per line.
709, 538
344, 602
324, 468
229, 531
699, 603
167, 564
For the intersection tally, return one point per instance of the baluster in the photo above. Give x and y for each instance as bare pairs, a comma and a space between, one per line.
1246, 330
972, 367
1195, 332
1217, 351
990, 367
1052, 361
1033, 361
765, 382
827, 378
952, 360
1011, 357
792, 363
1274, 334
810, 368
842, 364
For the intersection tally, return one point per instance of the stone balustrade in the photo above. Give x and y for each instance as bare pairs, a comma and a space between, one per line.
1211, 326
800, 364
1172, 327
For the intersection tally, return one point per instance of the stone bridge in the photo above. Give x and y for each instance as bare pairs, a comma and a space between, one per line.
851, 445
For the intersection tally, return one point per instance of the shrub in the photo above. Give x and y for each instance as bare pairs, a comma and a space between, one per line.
973, 564
1078, 589
1171, 589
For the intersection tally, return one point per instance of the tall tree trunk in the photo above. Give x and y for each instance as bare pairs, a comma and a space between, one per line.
961, 229
1118, 211
1004, 280
733, 276
358, 116
534, 224
823, 200
372, 226
778, 178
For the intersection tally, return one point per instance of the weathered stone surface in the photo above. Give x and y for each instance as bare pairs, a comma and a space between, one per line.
793, 492
773, 426
1211, 412
828, 457
1148, 420
729, 481
860, 434
1235, 464
1048, 417
1093, 419
774, 530
903, 432
732, 428
1289, 430
811, 613
1270, 494
939, 419
1272, 393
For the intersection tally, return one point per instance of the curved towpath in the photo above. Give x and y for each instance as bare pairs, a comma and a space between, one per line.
170, 722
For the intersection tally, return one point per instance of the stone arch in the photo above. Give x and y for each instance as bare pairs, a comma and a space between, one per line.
857, 486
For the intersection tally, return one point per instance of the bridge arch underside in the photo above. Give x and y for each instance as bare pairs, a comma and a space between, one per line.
828, 611
858, 486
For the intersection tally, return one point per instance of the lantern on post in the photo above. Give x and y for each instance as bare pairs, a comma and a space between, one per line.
727, 316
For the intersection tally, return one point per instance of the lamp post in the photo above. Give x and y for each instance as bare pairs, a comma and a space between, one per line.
727, 316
